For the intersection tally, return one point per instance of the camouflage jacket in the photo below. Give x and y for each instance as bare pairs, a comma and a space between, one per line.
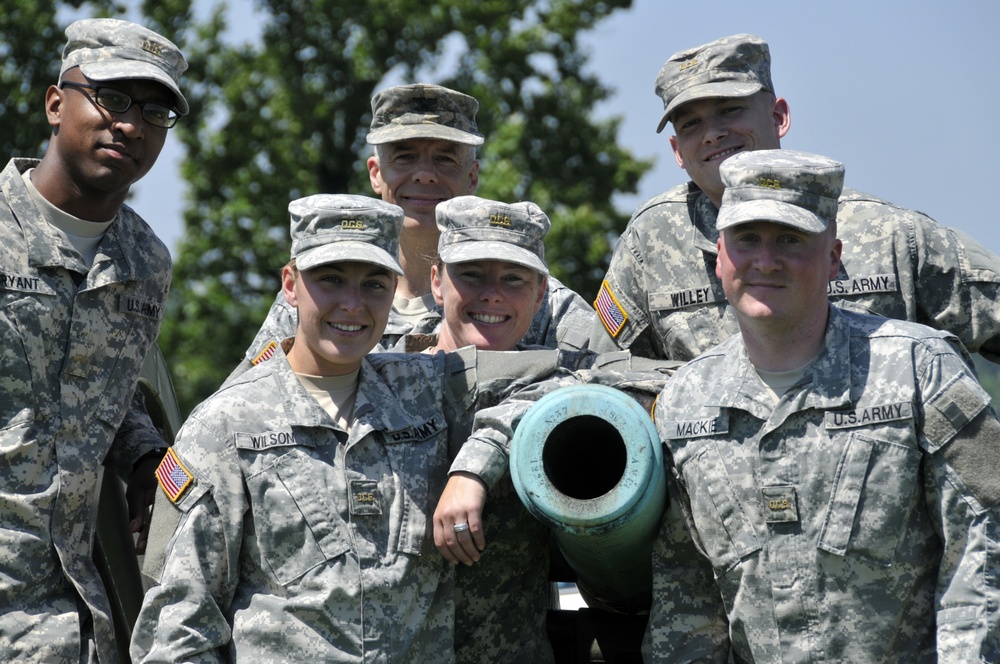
297, 541
563, 321
661, 297
855, 520
72, 343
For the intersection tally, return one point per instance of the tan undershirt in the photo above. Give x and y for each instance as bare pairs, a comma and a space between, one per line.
82, 234
335, 394
779, 382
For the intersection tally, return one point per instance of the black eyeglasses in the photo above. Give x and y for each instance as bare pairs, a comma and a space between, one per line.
116, 101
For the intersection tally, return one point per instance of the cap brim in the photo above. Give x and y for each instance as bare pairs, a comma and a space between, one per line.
719, 89
485, 250
770, 210
343, 252
115, 70
401, 132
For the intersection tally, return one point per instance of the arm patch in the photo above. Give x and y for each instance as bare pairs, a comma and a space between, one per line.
975, 457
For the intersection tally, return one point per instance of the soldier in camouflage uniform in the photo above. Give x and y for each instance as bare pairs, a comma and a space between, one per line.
82, 284
299, 495
836, 496
425, 137
488, 280
661, 297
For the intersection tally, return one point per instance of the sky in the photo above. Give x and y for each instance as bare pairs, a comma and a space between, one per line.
902, 92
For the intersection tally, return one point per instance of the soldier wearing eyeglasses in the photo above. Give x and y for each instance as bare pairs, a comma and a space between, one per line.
83, 280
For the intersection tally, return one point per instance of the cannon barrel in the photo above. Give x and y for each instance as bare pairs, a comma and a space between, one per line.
587, 462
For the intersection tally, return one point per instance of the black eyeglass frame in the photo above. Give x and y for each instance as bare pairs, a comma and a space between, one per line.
171, 114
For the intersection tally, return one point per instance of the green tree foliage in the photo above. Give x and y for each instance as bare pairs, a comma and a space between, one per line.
31, 41
286, 116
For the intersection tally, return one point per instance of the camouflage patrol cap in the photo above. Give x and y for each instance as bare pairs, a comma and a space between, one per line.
335, 228
736, 66
423, 111
108, 49
784, 186
474, 229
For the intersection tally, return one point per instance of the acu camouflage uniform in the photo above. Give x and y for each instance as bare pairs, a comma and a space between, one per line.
855, 520
896, 263
73, 343
298, 541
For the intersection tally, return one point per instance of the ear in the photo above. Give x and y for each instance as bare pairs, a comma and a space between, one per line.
436, 285
375, 174
835, 252
53, 105
677, 153
782, 117
288, 277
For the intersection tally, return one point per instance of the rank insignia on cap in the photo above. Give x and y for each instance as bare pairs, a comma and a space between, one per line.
174, 478
267, 353
611, 313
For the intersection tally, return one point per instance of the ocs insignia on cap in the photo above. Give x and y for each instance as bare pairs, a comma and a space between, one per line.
108, 49
334, 228
474, 228
736, 66
423, 111
797, 189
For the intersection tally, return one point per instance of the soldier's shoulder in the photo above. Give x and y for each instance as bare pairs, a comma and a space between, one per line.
667, 201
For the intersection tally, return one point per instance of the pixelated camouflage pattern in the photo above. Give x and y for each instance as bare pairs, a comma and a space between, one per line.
278, 558
563, 321
836, 525
330, 228
73, 344
789, 187
404, 112
896, 263
107, 49
736, 66
474, 228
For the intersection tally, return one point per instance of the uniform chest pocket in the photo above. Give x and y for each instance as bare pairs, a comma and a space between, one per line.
23, 348
298, 527
875, 489
724, 526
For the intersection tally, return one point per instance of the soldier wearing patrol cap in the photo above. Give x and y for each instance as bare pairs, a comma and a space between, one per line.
489, 276
836, 469
488, 281
660, 296
82, 284
425, 138
313, 474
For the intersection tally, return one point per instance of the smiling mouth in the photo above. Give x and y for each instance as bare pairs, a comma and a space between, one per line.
345, 327
722, 155
486, 318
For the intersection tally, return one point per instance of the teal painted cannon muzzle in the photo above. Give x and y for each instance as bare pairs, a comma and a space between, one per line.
587, 462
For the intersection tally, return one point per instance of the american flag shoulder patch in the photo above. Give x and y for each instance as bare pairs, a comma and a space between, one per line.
266, 354
610, 312
174, 478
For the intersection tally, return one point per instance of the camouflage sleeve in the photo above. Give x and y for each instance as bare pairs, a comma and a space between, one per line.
184, 617
961, 433
136, 437
563, 321
280, 323
622, 316
957, 285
